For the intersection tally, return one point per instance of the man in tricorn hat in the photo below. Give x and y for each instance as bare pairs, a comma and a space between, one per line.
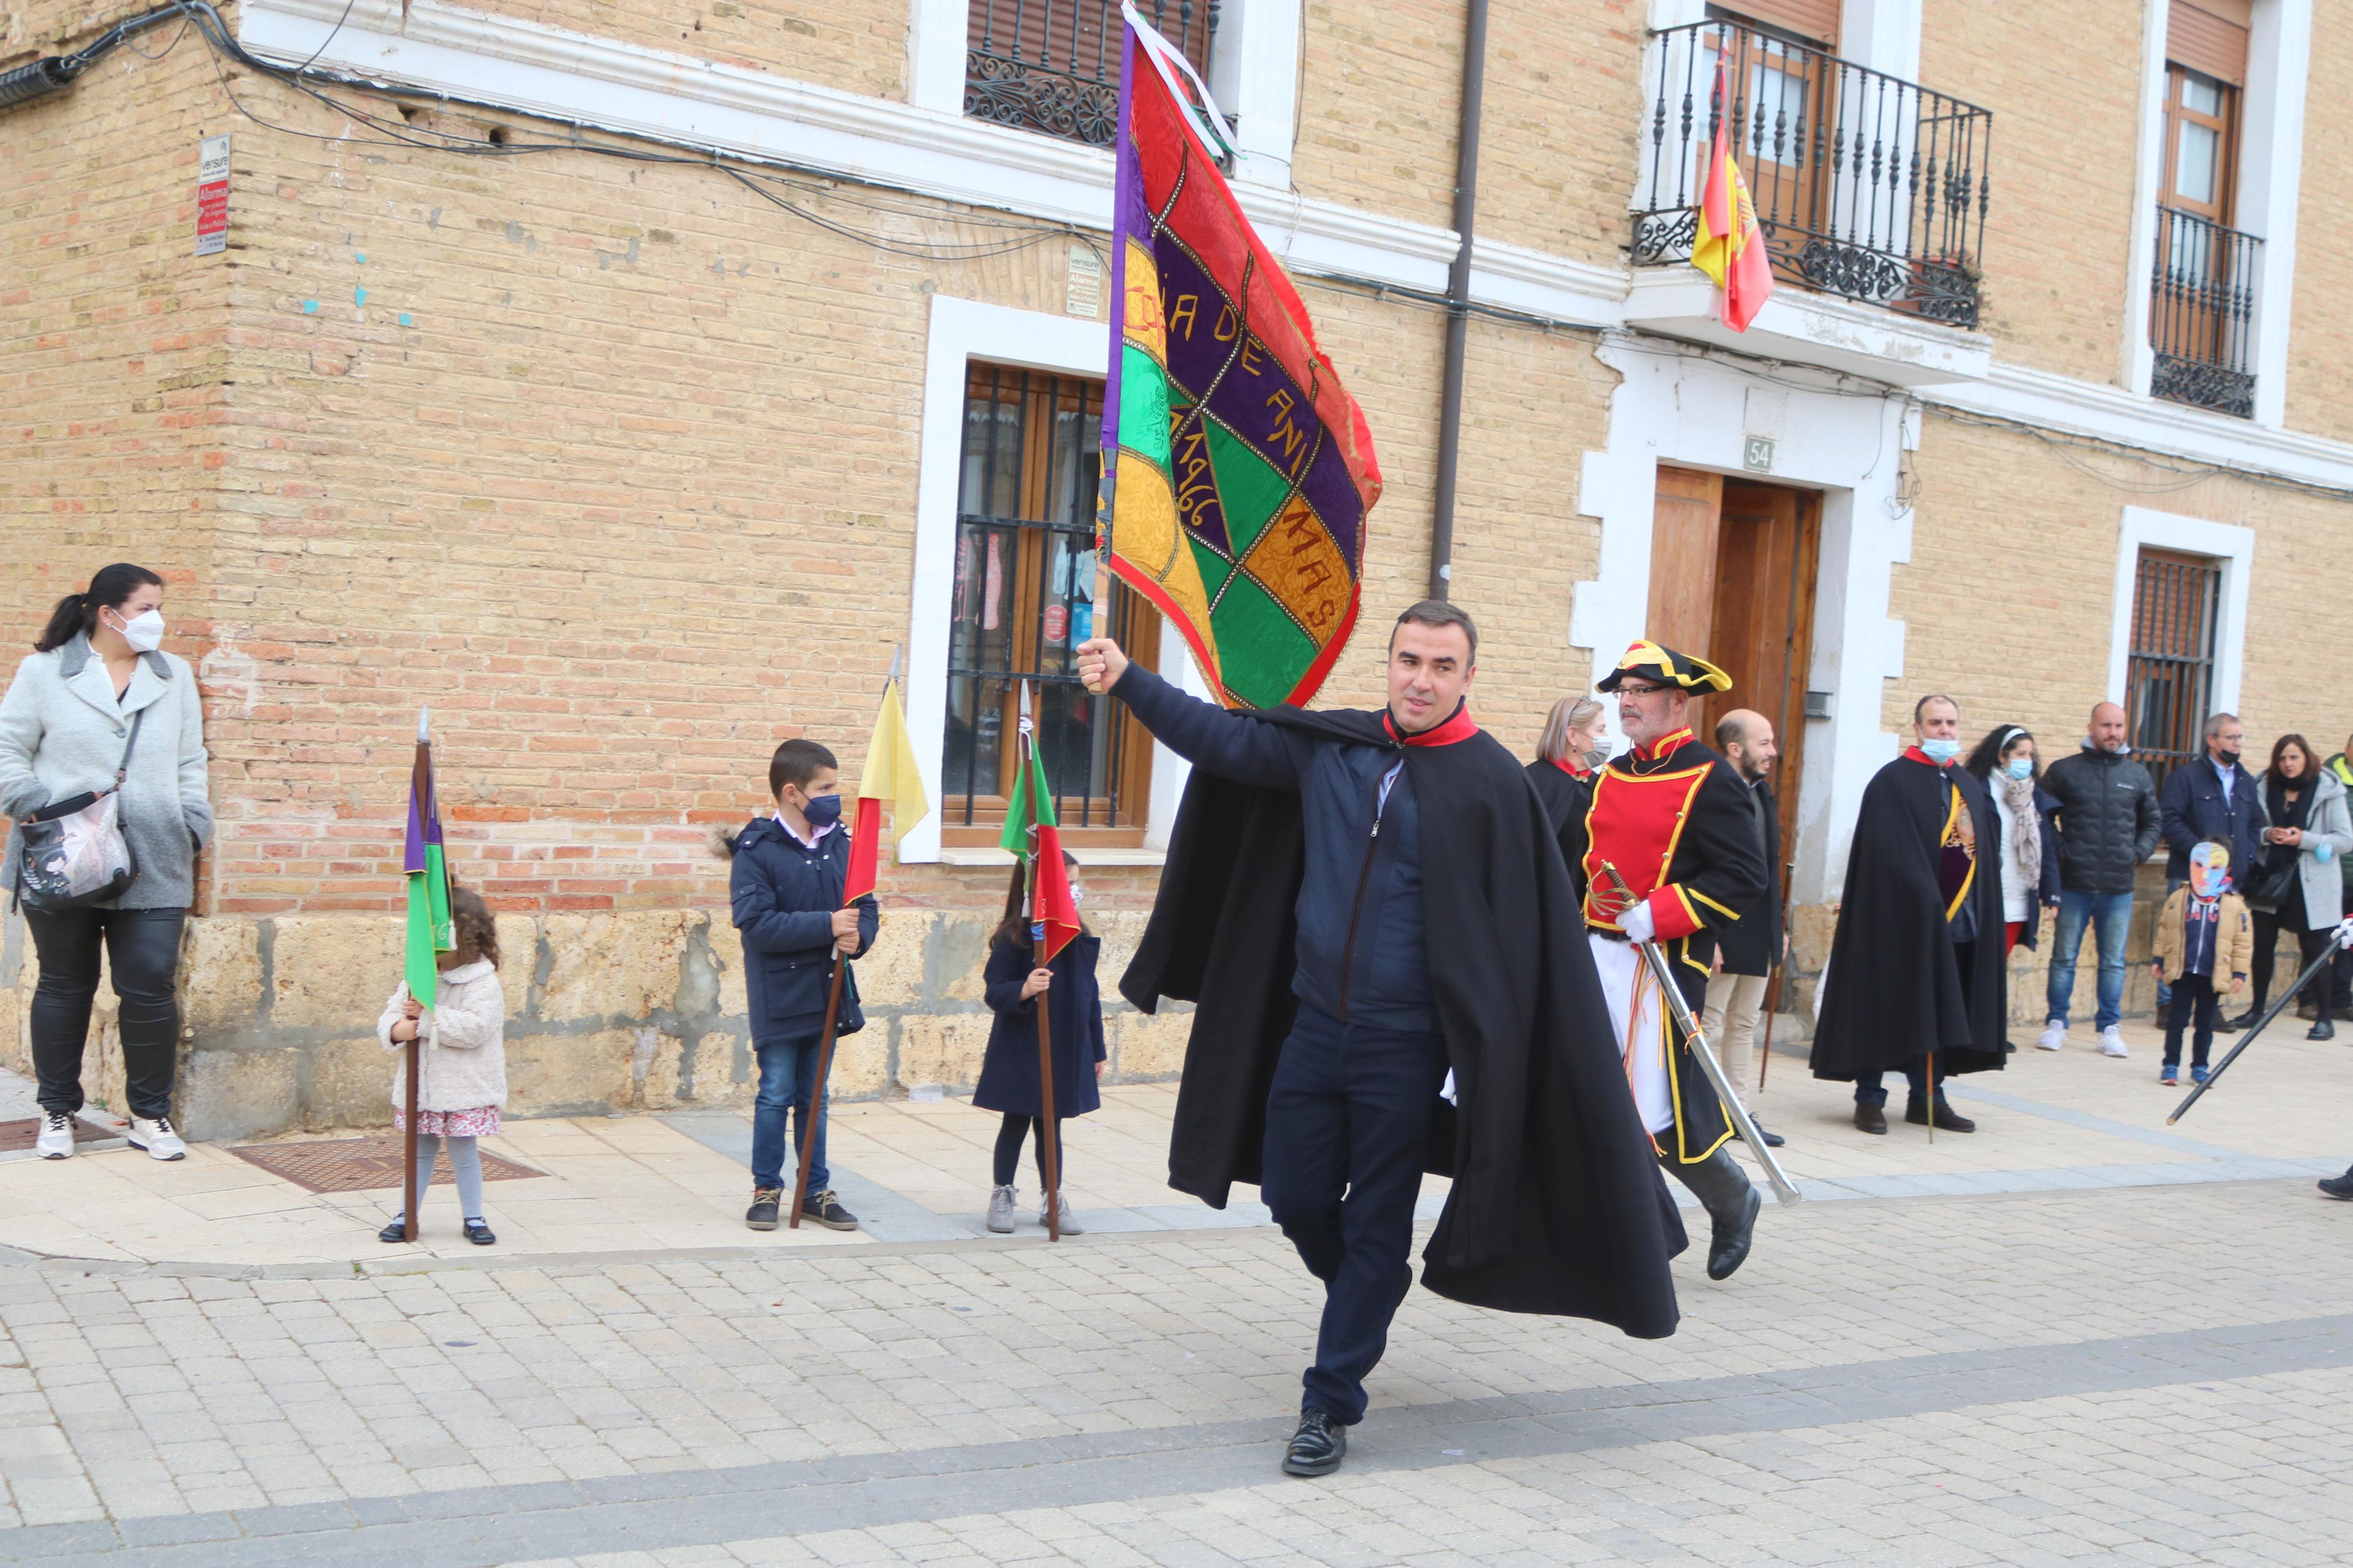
1673, 819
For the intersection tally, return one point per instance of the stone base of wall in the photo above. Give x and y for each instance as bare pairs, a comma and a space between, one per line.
637, 1010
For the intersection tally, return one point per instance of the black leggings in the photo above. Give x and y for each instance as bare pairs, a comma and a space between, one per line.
143, 951
1008, 1147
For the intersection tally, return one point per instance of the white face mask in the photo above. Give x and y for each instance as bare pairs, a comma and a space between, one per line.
1078, 896
144, 632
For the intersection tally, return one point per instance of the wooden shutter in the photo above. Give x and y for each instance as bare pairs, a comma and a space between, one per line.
2209, 36
1816, 21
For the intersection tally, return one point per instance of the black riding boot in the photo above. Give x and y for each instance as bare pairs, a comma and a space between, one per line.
1731, 1201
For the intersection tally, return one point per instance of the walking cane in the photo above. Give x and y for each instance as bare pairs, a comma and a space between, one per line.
412, 1188
1049, 1130
817, 1090
2342, 937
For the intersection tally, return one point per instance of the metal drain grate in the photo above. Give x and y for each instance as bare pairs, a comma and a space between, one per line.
17, 1136
357, 1164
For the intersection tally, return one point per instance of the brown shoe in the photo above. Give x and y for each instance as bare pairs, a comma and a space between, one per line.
1870, 1118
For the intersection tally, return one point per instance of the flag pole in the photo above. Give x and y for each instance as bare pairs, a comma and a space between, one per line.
1049, 1153
412, 1190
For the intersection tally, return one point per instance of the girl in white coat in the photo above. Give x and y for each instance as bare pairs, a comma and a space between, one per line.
461, 1078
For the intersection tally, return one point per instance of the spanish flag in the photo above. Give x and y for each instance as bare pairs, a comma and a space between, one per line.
890, 778
1730, 248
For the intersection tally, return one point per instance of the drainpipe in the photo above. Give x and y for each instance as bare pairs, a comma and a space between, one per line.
1458, 297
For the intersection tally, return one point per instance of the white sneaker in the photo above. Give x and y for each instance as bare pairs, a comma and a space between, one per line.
1000, 1210
2053, 1036
2112, 1042
56, 1139
1070, 1225
157, 1138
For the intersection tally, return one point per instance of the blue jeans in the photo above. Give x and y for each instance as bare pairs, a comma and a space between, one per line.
1346, 1118
1872, 1089
787, 1073
2111, 914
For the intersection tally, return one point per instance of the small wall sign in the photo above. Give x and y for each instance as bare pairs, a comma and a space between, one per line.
211, 196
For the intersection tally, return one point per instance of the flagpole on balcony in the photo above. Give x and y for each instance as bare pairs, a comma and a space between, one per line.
1458, 298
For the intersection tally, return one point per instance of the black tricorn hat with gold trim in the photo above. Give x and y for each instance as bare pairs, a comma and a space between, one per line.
1666, 666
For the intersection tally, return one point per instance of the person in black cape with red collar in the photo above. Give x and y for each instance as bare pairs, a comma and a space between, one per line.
1370, 913
1673, 819
1571, 747
1917, 963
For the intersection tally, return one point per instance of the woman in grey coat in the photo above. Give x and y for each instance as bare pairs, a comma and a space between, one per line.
65, 723
2304, 819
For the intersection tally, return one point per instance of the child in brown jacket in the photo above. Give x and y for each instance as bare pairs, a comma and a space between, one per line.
2204, 943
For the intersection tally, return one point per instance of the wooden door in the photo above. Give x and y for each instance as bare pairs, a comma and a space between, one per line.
1682, 559
1762, 621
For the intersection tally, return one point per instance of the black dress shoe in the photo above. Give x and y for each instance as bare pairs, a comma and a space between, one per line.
2324, 1030
1729, 1247
2226, 1025
1319, 1445
1948, 1119
397, 1231
2338, 1186
1869, 1118
479, 1234
1772, 1140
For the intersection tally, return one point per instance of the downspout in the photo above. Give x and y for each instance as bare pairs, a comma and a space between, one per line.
1458, 298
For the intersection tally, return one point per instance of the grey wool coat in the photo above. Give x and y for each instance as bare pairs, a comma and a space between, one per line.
62, 731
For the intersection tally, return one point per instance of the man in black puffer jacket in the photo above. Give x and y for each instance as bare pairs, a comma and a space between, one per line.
2107, 822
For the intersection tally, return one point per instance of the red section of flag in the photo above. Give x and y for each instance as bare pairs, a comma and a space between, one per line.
865, 850
1054, 917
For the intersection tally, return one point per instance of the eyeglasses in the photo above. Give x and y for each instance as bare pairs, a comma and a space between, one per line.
1624, 690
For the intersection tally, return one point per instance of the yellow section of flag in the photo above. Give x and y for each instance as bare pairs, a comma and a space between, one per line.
890, 774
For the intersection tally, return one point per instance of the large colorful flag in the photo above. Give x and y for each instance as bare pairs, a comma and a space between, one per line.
1031, 829
1236, 501
891, 779
1730, 247
429, 930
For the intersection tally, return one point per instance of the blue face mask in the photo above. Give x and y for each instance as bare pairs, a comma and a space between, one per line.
2021, 767
1940, 752
822, 810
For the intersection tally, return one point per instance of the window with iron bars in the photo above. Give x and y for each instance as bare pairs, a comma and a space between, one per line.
1053, 64
2170, 676
1024, 600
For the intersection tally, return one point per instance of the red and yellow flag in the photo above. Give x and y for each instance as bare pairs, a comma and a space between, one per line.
1730, 248
890, 778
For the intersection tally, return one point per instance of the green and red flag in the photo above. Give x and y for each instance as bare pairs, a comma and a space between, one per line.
1238, 471
429, 930
1031, 829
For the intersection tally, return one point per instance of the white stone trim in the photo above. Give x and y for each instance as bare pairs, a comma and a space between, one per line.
573, 79
2270, 179
2231, 545
1256, 79
937, 34
2148, 172
1694, 411
962, 331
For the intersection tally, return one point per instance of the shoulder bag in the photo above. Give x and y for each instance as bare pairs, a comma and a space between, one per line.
75, 853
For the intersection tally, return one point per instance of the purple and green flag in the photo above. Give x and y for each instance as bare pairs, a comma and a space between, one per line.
429, 930
1243, 472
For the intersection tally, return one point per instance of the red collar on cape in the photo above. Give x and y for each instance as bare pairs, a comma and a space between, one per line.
1571, 769
1665, 746
1913, 753
1458, 727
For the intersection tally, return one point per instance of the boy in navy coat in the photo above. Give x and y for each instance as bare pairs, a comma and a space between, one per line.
785, 890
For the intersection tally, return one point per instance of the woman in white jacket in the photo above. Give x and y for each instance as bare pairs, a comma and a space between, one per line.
98, 696
461, 1062
2306, 821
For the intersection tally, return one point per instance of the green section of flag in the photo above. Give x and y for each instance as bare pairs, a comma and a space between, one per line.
429, 928
1032, 805
1248, 487
1142, 406
1264, 649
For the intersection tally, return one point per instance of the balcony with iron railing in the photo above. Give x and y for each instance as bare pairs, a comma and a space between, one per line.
1053, 66
1867, 186
2202, 313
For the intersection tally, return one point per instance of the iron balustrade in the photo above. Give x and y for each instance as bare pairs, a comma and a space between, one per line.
1866, 185
1053, 64
2202, 313
2170, 673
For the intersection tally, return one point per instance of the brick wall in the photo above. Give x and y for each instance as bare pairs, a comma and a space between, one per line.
1562, 117
2063, 84
1380, 89
854, 46
2320, 339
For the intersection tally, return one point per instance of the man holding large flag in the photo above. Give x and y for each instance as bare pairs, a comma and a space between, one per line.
1371, 911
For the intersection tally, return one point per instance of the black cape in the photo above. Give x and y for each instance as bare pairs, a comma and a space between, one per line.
1899, 986
1558, 1204
1567, 797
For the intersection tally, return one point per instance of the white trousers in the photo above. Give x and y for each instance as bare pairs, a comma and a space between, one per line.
1637, 1017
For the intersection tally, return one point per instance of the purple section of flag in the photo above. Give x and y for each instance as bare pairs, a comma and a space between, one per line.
424, 811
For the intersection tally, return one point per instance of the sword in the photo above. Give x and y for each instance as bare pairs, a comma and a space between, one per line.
1783, 1188
2342, 937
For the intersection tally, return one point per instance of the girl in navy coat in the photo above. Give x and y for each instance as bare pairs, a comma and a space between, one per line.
1008, 1072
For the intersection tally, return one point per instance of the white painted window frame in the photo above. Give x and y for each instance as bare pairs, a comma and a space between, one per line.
2270, 179
962, 331
1254, 74
2233, 546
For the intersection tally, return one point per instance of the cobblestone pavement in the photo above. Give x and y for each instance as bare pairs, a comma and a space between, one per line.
2131, 1375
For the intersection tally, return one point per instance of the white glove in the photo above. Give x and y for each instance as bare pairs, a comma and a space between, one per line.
1636, 923
1446, 1089
2344, 933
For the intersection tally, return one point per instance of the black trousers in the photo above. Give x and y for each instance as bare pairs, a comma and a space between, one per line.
1009, 1135
2309, 944
143, 954
1347, 1120
2190, 993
